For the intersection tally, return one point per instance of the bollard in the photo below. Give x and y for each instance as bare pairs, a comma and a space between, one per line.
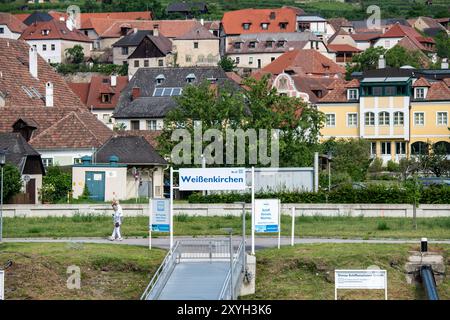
424, 245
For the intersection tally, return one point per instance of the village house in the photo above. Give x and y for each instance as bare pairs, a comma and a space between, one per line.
10, 26
304, 74
125, 167
52, 38
149, 96
29, 163
255, 51
401, 111
101, 95
36, 102
429, 26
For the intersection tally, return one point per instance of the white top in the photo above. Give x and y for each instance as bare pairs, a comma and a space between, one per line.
118, 215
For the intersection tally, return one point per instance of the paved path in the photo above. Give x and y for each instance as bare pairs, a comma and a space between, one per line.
260, 242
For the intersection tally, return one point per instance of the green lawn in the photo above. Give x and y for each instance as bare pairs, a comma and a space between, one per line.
316, 226
307, 271
109, 272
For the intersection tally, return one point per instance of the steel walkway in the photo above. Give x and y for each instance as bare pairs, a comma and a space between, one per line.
199, 270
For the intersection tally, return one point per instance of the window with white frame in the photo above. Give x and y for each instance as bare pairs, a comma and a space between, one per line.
330, 120
151, 124
419, 119
2, 30
383, 118
442, 118
369, 119
399, 118
352, 119
385, 148
420, 93
250, 60
44, 47
53, 47
237, 60
48, 162
352, 94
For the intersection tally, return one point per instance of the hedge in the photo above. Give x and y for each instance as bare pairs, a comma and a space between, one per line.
372, 194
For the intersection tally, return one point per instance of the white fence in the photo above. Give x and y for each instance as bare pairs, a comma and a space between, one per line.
355, 210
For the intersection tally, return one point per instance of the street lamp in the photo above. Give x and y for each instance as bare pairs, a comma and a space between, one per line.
2, 164
230, 231
243, 221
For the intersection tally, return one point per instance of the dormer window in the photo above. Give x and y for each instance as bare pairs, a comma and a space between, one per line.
45, 32
252, 44
283, 25
159, 79
190, 78
264, 26
246, 26
106, 97
237, 45
420, 93
280, 43
352, 94
272, 15
269, 43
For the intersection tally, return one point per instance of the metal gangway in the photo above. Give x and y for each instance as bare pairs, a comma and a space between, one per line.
199, 270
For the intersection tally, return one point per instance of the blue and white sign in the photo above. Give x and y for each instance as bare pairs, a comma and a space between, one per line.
267, 215
160, 219
212, 179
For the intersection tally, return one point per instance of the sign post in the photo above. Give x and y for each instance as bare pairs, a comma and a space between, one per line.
360, 279
267, 217
2, 285
293, 226
159, 217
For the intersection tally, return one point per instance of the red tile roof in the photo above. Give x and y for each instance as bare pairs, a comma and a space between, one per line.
15, 77
168, 28
57, 30
150, 136
90, 93
144, 15
14, 24
421, 82
232, 20
447, 81
438, 91
197, 33
401, 31
343, 48
303, 62
365, 36
338, 91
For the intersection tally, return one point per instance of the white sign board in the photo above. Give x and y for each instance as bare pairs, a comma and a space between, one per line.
360, 279
2, 285
267, 215
212, 179
160, 215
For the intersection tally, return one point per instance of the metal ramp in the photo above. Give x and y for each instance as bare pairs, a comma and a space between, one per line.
199, 270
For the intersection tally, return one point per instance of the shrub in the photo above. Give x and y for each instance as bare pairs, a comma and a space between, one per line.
382, 226
12, 183
376, 165
56, 184
392, 166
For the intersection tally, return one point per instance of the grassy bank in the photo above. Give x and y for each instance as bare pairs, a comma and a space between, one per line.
316, 226
307, 271
107, 271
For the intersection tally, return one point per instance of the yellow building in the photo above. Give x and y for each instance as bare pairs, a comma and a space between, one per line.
402, 112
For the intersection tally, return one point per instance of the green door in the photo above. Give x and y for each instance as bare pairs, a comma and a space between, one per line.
95, 182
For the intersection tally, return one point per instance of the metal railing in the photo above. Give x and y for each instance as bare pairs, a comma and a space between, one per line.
161, 275
229, 291
204, 249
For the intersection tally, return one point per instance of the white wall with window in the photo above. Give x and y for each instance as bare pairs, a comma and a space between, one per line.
399, 118
369, 119
141, 124
6, 33
63, 157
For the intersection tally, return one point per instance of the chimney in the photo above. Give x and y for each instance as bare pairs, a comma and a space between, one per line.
62, 19
49, 94
33, 62
156, 30
381, 62
202, 21
444, 63
113, 80
135, 93
135, 30
69, 24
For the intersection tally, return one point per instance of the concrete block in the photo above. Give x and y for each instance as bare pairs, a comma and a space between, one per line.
248, 288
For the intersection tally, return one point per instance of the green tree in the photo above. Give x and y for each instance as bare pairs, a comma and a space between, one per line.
399, 56
350, 158
227, 64
364, 61
259, 107
442, 45
56, 184
75, 54
12, 183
